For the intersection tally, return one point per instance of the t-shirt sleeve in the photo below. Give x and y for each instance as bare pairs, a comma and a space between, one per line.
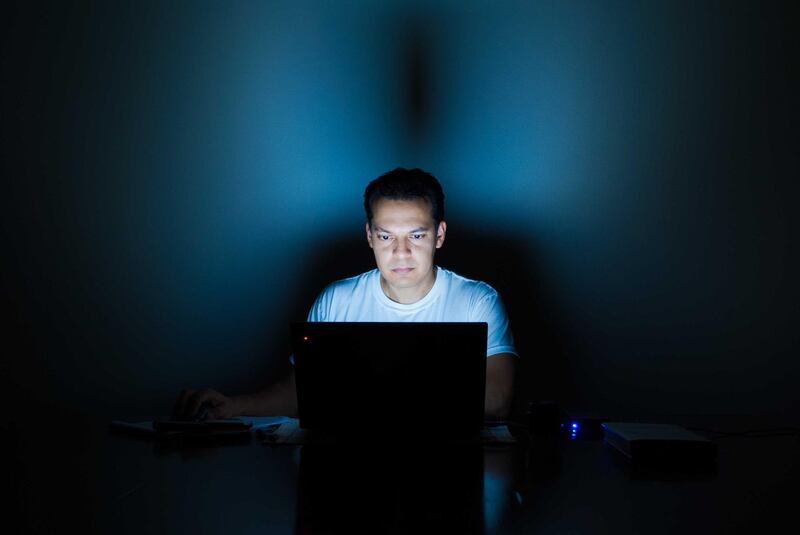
320, 309
489, 308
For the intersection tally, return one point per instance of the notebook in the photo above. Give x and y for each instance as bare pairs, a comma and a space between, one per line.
426, 378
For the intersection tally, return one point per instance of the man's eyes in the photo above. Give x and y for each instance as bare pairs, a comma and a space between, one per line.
387, 237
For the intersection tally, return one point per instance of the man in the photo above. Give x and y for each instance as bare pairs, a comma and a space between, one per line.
405, 226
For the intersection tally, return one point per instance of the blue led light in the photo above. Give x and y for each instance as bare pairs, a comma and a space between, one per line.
575, 425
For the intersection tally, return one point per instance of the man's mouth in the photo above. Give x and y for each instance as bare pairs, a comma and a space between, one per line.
401, 270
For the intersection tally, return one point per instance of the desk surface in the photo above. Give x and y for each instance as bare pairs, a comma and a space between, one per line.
99, 482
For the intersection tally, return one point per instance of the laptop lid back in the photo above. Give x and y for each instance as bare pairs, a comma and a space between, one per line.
388, 376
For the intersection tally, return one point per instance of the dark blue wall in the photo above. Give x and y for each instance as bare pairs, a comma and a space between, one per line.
179, 180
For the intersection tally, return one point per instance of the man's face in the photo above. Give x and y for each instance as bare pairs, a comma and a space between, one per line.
404, 238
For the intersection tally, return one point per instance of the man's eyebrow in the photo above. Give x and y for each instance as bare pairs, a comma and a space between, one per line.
414, 231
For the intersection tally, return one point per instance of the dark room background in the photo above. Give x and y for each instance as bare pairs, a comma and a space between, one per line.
181, 178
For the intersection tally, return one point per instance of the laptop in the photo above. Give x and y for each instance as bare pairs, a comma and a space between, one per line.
391, 377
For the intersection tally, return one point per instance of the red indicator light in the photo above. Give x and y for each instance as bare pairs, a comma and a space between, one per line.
305, 338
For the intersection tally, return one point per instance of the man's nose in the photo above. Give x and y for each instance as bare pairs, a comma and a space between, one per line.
401, 248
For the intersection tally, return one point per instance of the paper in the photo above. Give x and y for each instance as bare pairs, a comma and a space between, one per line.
261, 422
146, 428
497, 435
289, 432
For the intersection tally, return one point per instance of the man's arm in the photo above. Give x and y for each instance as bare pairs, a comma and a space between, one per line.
499, 385
277, 399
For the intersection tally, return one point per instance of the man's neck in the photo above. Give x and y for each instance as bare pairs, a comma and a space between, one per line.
408, 296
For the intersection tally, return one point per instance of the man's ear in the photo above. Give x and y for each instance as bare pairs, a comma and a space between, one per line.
369, 235
441, 230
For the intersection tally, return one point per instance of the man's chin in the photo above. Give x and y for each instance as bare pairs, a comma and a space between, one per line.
401, 280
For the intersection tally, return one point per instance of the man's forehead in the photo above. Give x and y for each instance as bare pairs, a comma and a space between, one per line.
402, 224
413, 212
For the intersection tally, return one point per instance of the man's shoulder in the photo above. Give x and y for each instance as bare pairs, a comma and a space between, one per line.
339, 295
479, 299
351, 284
460, 283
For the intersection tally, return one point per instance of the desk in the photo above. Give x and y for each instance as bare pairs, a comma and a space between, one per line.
104, 483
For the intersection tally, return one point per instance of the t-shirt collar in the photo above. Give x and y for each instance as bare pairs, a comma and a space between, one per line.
410, 307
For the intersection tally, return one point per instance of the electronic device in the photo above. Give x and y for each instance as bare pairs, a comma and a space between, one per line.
661, 444
395, 378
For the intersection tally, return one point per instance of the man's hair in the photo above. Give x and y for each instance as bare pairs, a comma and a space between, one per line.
405, 185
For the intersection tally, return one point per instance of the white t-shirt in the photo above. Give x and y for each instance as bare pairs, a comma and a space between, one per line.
452, 298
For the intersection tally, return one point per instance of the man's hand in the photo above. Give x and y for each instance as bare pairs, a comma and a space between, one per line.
278, 399
191, 402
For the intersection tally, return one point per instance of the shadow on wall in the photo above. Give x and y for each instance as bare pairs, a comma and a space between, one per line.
512, 269
543, 372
